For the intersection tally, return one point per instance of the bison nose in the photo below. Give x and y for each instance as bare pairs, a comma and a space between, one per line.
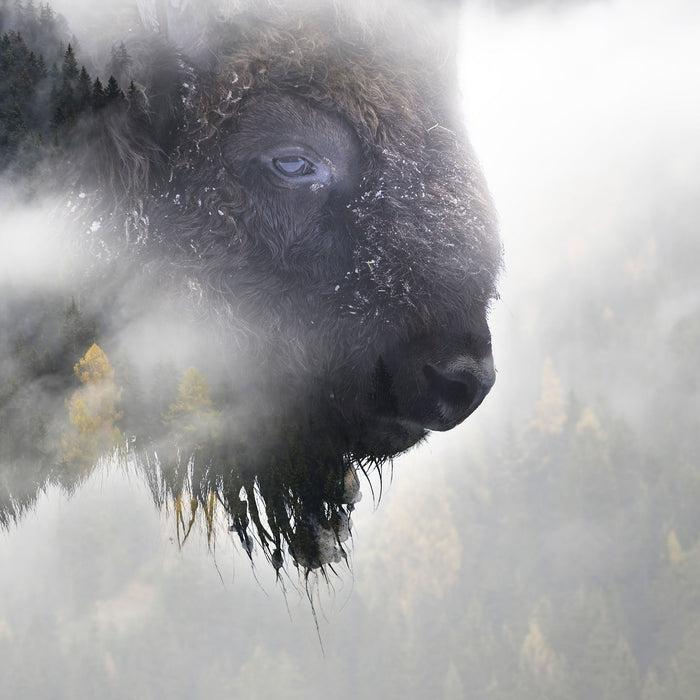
456, 389
433, 383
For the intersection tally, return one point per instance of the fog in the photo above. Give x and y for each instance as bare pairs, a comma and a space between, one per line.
592, 109
547, 547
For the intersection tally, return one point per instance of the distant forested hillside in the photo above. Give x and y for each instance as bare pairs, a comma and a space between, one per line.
44, 89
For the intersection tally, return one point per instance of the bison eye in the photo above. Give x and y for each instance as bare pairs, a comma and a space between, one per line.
294, 166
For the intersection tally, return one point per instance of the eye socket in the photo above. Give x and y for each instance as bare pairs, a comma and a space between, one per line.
294, 166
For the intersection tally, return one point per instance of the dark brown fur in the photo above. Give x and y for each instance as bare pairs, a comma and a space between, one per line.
336, 323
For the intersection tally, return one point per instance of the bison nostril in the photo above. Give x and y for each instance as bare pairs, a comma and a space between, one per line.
452, 387
459, 389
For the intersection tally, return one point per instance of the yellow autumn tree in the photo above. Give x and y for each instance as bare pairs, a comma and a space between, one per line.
193, 395
536, 654
421, 553
674, 551
194, 421
192, 416
550, 408
91, 411
543, 673
588, 424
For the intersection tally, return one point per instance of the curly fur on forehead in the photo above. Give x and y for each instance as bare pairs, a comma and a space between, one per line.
337, 66
418, 159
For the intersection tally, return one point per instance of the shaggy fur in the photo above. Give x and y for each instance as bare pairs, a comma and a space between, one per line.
337, 323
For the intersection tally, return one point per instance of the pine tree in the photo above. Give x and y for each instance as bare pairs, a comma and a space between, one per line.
59, 116
77, 334
113, 93
42, 72
83, 90
25, 86
70, 64
98, 95
47, 26
15, 122
120, 63
34, 66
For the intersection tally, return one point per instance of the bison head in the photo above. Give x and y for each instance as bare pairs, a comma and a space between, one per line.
291, 206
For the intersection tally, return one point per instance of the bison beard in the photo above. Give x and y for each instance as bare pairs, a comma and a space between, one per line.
294, 211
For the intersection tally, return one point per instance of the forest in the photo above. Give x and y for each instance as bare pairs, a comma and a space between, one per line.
547, 550
42, 88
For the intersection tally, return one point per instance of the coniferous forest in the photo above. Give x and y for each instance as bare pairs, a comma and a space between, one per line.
43, 87
548, 549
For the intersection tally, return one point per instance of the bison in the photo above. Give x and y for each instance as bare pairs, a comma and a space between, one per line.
289, 207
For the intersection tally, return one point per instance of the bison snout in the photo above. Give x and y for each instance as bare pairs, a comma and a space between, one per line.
457, 389
433, 385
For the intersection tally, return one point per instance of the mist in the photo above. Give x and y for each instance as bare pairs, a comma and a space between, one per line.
550, 545
592, 108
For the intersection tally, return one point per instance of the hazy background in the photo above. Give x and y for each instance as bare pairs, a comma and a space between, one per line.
549, 547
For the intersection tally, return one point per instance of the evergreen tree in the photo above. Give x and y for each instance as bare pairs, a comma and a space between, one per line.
83, 90
64, 102
15, 120
46, 33
77, 333
47, 18
59, 116
70, 64
42, 72
99, 98
36, 67
113, 93
120, 63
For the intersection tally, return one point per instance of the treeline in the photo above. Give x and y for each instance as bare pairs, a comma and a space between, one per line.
44, 89
584, 541
36, 371
559, 562
62, 407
